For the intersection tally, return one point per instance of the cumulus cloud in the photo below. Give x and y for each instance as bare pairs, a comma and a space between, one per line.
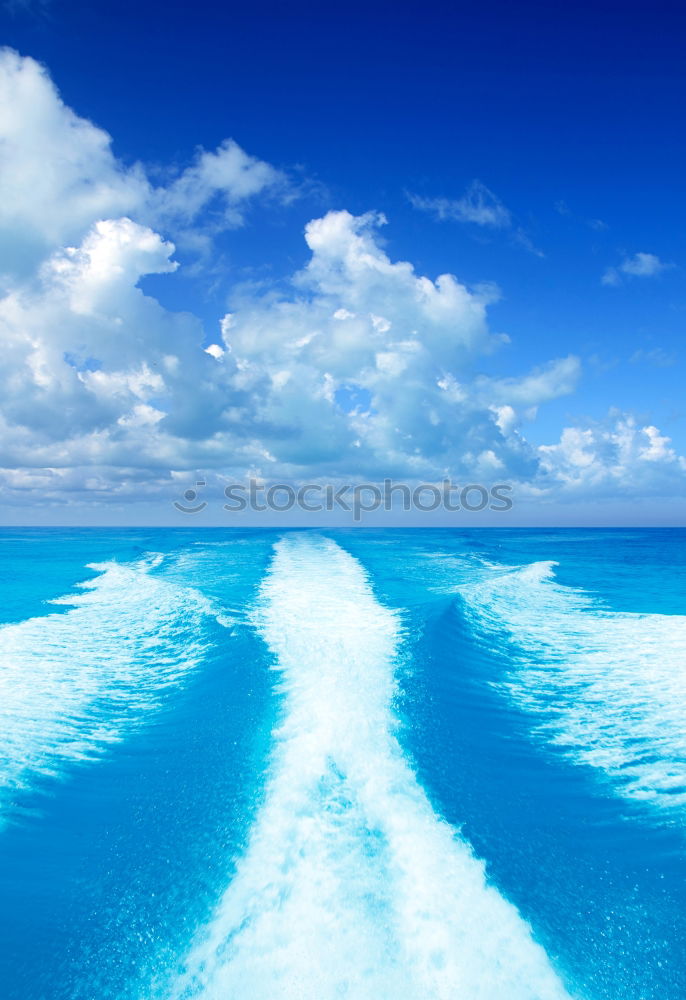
617, 457
358, 366
379, 331
58, 175
229, 176
97, 375
83, 346
362, 368
641, 265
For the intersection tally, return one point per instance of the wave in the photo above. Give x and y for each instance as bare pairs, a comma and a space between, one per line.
351, 885
608, 687
74, 682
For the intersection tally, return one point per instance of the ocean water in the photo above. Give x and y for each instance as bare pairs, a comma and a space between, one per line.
379, 765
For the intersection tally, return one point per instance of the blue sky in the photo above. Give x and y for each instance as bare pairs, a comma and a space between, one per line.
535, 153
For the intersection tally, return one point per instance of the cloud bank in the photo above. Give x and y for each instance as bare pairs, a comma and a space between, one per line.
358, 367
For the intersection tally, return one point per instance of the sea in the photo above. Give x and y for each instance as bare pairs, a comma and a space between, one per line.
418, 764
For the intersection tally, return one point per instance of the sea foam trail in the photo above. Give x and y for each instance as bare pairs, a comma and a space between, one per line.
608, 687
72, 683
351, 885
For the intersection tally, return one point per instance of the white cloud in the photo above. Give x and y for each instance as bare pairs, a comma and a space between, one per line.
228, 176
477, 205
57, 171
618, 457
97, 375
641, 265
83, 345
58, 175
101, 384
556, 378
358, 319
360, 366
656, 356
480, 207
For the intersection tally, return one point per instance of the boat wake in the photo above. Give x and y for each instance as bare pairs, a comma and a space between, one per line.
351, 886
73, 683
608, 687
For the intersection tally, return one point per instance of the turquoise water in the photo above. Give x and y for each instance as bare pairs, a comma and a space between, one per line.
364, 764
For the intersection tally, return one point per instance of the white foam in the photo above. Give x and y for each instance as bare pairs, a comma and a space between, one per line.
351, 886
75, 682
608, 687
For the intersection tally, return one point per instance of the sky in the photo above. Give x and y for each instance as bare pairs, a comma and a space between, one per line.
312, 244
